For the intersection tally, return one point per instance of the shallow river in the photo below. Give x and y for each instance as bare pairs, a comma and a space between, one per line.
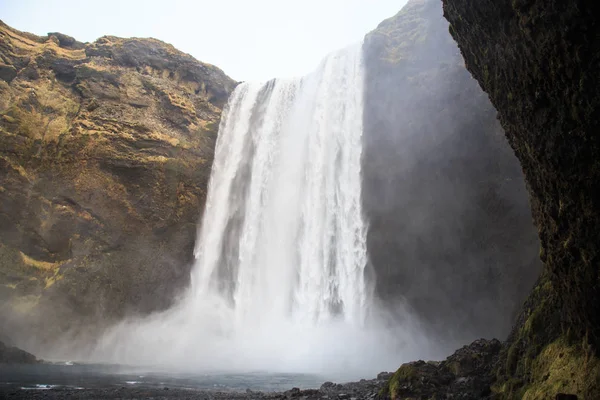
89, 376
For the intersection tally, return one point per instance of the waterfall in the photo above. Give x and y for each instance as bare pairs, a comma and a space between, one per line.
279, 282
283, 234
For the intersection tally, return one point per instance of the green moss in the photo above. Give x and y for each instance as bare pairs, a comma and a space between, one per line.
542, 253
212, 127
29, 123
564, 368
486, 74
541, 361
405, 373
9, 119
514, 387
512, 359
384, 391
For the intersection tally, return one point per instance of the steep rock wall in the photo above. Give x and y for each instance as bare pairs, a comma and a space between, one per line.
450, 228
105, 155
539, 63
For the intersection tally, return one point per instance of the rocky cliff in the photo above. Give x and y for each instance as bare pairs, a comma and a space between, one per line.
450, 229
539, 62
105, 155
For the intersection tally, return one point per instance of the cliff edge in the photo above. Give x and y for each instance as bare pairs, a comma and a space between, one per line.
105, 152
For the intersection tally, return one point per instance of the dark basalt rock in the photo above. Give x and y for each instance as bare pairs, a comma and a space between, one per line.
384, 375
467, 374
539, 60
564, 396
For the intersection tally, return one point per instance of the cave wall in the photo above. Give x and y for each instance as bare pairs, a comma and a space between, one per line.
539, 60
450, 228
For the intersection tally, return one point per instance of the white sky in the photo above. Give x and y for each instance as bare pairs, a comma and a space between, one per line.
248, 39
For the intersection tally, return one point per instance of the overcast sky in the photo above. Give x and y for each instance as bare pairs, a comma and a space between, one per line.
248, 39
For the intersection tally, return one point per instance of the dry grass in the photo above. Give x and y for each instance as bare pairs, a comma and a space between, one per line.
23, 43
17, 168
41, 265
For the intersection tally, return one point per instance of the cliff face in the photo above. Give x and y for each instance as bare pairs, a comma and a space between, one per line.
450, 226
539, 62
105, 155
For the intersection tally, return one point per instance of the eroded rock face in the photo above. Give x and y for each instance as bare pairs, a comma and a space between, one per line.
450, 228
538, 61
105, 156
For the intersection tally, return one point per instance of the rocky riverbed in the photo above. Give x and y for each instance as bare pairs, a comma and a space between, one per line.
467, 374
365, 389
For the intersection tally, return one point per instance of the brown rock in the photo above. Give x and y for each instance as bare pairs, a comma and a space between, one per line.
66, 40
7, 72
105, 155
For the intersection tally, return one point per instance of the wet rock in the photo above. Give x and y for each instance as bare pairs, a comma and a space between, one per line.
384, 375
466, 374
473, 359
293, 393
537, 60
364, 389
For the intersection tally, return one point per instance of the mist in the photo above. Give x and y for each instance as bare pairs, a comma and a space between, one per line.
367, 214
280, 282
210, 342
446, 218
450, 229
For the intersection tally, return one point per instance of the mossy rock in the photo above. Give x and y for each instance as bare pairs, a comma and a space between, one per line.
466, 374
540, 74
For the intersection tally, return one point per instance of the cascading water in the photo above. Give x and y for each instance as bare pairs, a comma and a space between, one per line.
279, 281
283, 234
